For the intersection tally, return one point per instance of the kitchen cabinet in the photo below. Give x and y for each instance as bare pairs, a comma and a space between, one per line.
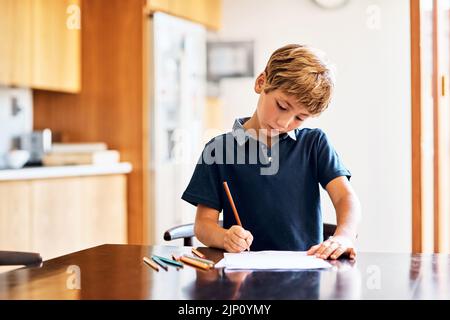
21, 31
104, 210
56, 216
15, 218
62, 215
206, 12
40, 44
6, 9
56, 45
158, 5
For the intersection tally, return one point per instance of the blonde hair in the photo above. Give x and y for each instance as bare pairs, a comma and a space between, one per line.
299, 71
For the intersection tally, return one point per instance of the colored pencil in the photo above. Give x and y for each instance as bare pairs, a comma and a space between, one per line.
169, 261
198, 253
174, 257
195, 263
200, 259
162, 264
151, 263
230, 198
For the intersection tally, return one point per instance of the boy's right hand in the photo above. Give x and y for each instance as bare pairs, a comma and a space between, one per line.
237, 239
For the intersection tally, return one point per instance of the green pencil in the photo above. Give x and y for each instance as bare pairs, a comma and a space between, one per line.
158, 261
169, 261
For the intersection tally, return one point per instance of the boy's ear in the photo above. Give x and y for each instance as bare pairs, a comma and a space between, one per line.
260, 82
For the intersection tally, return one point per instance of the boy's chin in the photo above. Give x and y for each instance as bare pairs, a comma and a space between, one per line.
274, 133
270, 132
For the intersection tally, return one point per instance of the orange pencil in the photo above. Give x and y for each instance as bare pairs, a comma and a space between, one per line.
230, 198
198, 253
195, 263
174, 257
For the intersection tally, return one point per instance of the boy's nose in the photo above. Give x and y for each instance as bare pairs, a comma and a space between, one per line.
284, 122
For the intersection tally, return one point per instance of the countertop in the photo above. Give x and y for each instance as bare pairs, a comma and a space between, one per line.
64, 171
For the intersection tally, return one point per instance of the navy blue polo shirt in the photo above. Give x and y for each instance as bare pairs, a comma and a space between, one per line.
275, 190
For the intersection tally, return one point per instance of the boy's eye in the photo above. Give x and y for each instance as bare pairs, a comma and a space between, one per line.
280, 107
299, 119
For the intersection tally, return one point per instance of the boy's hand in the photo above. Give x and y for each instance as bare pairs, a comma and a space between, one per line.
333, 248
237, 239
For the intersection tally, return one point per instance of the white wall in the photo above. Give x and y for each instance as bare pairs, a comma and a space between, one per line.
369, 120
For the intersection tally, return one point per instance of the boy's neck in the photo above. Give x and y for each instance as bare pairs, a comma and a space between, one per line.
253, 123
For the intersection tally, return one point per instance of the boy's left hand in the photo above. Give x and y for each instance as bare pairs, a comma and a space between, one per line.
333, 248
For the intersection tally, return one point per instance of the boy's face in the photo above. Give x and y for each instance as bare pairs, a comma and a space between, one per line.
276, 111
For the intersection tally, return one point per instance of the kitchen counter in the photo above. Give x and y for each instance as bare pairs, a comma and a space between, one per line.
64, 171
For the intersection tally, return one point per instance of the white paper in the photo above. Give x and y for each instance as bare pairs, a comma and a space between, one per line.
260, 260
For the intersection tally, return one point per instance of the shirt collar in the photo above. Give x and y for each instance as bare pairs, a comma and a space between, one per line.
242, 136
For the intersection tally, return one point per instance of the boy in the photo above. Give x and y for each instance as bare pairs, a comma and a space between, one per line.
277, 196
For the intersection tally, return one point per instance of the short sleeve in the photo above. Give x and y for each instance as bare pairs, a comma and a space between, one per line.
204, 185
329, 165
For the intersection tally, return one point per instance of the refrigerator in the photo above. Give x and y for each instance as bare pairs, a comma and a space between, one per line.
177, 98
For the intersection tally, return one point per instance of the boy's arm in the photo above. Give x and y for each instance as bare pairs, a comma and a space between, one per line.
347, 206
208, 231
206, 227
348, 214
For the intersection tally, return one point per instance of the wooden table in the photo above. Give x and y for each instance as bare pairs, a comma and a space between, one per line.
118, 272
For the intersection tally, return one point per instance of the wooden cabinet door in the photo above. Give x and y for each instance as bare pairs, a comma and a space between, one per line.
16, 42
22, 40
6, 21
40, 46
15, 212
206, 12
158, 5
56, 49
213, 17
55, 221
71, 214
103, 210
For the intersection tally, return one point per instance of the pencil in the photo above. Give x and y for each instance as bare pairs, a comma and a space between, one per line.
211, 263
198, 253
162, 264
169, 261
195, 263
230, 198
174, 257
151, 263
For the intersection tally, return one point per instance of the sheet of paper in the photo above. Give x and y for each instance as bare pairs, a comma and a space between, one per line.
260, 260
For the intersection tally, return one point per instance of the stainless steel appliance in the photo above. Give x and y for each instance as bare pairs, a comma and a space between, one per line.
37, 143
176, 101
